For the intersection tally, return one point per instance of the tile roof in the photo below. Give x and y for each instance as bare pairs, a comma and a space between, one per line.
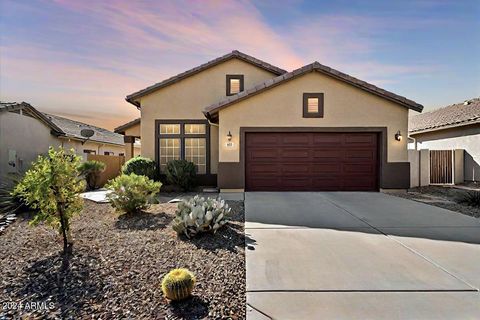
12, 106
455, 115
9, 105
315, 66
72, 128
125, 126
234, 54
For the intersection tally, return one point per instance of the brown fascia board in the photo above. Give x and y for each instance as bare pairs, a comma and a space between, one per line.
210, 111
446, 126
123, 127
234, 54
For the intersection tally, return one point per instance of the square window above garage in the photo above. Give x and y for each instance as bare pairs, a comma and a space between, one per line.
313, 105
234, 84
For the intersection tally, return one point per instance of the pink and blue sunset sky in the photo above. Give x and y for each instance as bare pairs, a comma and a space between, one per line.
81, 58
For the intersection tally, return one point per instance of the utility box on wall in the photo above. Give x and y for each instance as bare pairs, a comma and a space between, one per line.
12, 161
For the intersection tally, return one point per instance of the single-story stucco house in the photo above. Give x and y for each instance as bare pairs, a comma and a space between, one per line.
26, 133
453, 127
249, 125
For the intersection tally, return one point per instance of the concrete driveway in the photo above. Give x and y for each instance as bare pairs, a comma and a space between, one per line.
359, 255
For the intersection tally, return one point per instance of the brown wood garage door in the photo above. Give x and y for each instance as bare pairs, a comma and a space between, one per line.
304, 161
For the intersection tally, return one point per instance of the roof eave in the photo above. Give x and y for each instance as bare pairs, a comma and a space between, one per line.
445, 127
302, 71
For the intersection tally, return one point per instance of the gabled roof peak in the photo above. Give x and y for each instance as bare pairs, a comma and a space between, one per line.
234, 54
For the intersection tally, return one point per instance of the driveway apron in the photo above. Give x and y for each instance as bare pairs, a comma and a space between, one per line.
351, 255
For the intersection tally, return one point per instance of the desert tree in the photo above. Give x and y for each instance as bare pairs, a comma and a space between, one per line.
51, 189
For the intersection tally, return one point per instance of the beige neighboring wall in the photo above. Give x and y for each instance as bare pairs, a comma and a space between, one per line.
134, 131
187, 98
344, 106
99, 147
25, 136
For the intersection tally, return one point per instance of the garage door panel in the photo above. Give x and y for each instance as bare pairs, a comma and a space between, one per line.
267, 139
328, 154
261, 154
326, 184
360, 155
297, 183
325, 139
295, 139
311, 161
352, 168
265, 183
357, 139
266, 169
297, 153
326, 168
294, 169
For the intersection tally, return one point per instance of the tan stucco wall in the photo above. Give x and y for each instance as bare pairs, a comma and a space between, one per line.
30, 137
344, 106
133, 131
187, 98
27, 136
100, 148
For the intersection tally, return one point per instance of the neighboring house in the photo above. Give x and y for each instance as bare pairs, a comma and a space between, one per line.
453, 127
248, 125
26, 133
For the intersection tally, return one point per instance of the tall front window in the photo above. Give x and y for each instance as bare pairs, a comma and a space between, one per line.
188, 140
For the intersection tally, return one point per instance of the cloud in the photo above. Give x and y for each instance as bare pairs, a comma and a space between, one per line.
94, 53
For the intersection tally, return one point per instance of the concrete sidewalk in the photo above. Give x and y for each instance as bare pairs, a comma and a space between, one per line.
357, 255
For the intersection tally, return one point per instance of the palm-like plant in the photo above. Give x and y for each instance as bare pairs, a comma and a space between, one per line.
91, 171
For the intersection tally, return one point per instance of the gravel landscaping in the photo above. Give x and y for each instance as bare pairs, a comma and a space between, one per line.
443, 197
117, 266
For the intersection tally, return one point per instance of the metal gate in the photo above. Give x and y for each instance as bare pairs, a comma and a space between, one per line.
441, 167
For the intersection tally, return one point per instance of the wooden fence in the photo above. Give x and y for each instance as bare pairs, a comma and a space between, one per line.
113, 166
441, 167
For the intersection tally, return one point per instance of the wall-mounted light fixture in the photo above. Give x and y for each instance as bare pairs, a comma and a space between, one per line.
229, 136
398, 136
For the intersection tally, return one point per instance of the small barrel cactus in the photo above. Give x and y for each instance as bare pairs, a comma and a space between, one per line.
178, 284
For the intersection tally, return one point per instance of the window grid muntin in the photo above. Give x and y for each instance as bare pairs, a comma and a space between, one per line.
169, 149
195, 128
196, 152
169, 128
182, 136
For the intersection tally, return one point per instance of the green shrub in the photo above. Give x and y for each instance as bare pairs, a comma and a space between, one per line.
51, 188
178, 284
132, 193
181, 173
140, 166
199, 215
91, 170
470, 198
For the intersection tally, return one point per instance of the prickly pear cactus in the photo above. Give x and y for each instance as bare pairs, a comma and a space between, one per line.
199, 215
178, 284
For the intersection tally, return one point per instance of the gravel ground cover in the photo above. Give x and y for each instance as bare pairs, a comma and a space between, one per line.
443, 197
117, 266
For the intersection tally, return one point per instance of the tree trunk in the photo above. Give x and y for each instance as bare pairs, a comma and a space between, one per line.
67, 248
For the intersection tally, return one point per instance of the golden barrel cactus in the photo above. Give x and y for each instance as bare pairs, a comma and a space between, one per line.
178, 284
